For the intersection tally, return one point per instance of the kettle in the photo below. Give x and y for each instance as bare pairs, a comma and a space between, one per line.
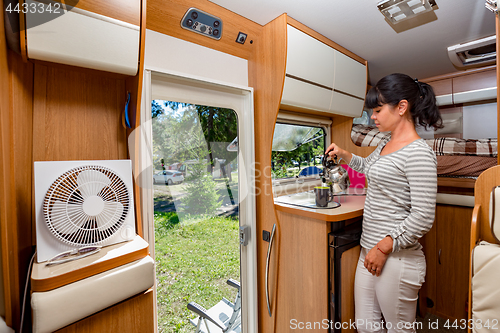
334, 175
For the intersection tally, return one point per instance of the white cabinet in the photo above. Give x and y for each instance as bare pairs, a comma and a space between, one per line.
318, 77
78, 37
305, 55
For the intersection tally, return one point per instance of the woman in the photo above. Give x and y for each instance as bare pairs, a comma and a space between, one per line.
399, 206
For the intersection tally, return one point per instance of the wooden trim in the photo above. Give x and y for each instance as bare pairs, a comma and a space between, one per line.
474, 236
7, 216
165, 17
296, 24
134, 86
347, 210
22, 33
266, 75
456, 182
484, 184
458, 74
497, 28
45, 278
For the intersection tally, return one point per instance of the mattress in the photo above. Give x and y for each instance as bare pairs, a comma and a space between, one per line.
455, 157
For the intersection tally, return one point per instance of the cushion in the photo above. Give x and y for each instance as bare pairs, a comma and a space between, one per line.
485, 291
54, 309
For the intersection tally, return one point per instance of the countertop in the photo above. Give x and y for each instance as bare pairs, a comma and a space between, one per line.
351, 206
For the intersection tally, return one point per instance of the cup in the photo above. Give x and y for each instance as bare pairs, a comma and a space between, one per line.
321, 195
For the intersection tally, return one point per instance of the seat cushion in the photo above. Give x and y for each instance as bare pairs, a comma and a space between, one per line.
54, 309
485, 291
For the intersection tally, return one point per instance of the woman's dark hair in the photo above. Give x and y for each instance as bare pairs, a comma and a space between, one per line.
421, 98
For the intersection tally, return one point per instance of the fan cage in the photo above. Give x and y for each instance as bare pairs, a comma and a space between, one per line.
64, 201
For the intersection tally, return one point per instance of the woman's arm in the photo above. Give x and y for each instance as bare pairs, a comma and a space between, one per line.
333, 150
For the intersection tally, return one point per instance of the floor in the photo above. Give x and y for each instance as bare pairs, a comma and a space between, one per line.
431, 323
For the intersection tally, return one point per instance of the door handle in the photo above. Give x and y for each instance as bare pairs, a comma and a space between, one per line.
267, 268
439, 256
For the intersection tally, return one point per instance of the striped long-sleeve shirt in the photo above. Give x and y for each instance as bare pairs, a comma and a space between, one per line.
401, 194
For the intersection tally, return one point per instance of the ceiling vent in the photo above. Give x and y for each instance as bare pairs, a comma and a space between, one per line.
480, 52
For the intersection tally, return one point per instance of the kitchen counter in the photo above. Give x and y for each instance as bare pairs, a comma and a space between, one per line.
303, 261
351, 206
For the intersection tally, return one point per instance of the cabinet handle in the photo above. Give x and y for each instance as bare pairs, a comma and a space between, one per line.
267, 268
439, 256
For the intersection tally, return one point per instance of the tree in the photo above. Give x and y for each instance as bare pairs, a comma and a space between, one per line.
201, 193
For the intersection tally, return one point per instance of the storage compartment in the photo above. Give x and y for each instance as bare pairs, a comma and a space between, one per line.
318, 77
82, 38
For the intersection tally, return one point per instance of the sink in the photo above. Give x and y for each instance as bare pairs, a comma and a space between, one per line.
304, 199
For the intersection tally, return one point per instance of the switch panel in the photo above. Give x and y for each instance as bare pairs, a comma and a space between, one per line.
203, 23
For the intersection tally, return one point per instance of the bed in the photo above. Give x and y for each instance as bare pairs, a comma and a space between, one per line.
459, 161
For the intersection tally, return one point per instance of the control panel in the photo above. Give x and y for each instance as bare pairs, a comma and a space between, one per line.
203, 23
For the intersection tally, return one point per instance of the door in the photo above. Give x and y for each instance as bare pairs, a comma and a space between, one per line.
196, 222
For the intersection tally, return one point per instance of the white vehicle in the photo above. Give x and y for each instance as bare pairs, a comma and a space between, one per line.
168, 177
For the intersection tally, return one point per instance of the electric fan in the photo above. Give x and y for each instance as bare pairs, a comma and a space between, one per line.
82, 203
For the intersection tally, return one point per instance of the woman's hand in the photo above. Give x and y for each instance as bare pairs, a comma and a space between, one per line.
377, 256
333, 150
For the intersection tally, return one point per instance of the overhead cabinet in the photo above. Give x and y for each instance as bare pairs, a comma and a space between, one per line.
319, 77
465, 88
98, 35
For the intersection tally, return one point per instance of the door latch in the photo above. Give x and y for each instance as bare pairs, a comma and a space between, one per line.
244, 235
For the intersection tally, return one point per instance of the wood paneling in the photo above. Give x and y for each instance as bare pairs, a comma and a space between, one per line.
341, 135
77, 115
303, 271
21, 106
165, 16
7, 229
15, 178
266, 76
134, 315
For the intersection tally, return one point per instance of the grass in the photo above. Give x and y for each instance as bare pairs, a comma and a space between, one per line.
193, 261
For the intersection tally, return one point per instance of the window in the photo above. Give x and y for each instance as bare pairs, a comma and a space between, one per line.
297, 150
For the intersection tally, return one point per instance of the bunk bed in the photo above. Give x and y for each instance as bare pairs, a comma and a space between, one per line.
459, 161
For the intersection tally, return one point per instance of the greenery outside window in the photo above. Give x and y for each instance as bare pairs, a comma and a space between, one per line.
297, 150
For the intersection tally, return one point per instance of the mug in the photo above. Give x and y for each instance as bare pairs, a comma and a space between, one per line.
321, 195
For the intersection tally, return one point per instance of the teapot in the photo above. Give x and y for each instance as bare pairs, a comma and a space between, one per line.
334, 175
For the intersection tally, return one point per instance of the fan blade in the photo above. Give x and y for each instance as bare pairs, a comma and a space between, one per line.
110, 216
57, 215
91, 182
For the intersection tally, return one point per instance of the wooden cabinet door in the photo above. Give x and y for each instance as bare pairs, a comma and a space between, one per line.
302, 274
453, 233
446, 248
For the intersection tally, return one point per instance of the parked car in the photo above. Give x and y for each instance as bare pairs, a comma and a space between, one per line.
168, 177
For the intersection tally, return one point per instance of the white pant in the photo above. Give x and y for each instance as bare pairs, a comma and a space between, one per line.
393, 294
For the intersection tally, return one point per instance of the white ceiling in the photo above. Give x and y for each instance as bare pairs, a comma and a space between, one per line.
417, 47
